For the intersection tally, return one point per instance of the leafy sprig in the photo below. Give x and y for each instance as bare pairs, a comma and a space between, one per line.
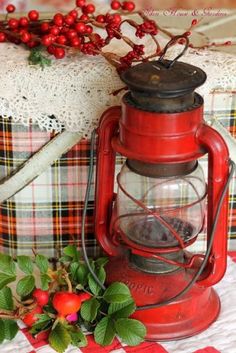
105, 313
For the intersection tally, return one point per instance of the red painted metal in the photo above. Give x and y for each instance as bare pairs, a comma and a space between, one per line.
163, 138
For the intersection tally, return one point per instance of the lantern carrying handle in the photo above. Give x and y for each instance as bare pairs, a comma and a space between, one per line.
168, 45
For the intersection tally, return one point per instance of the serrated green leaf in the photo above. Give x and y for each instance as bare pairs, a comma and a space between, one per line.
25, 264
101, 261
73, 270
93, 285
42, 263
117, 293
2, 331
78, 339
5, 279
104, 332
71, 250
43, 323
122, 310
10, 329
89, 309
45, 279
131, 332
25, 285
59, 338
82, 274
7, 264
6, 299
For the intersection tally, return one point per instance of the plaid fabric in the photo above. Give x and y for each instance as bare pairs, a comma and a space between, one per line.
46, 214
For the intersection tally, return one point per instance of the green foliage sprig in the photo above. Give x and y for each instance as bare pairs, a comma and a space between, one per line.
103, 312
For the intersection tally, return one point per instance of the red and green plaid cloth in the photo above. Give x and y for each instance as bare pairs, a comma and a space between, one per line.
46, 214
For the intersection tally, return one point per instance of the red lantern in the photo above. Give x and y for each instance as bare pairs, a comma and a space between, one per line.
160, 205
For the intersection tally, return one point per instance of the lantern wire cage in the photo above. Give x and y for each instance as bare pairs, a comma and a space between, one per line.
210, 242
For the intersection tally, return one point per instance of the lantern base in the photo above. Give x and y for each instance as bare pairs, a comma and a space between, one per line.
187, 316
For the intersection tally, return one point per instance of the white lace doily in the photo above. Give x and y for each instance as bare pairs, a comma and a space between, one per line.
72, 93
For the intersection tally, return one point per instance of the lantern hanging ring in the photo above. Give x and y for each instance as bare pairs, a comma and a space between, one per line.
168, 45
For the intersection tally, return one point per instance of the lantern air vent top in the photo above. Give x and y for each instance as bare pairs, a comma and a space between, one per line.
159, 79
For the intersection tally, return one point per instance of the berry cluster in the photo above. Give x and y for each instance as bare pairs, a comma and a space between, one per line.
147, 27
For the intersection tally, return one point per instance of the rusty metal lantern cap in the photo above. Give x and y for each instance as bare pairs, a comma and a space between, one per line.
163, 79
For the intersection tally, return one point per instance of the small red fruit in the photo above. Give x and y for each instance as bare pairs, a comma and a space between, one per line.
30, 318
58, 19
3, 37
128, 6
33, 15
66, 303
10, 8
59, 53
90, 8
13, 23
41, 296
80, 27
23, 22
115, 5
80, 3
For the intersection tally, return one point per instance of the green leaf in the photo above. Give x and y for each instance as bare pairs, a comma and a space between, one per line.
78, 339
43, 323
25, 286
101, 261
59, 338
104, 332
117, 293
37, 58
131, 332
122, 310
7, 264
73, 270
93, 285
42, 263
71, 250
45, 279
82, 274
2, 331
5, 279
89, 309
65, 259
25, 264
6, 299
10, 329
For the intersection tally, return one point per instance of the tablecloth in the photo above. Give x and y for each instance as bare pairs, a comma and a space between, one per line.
218, 338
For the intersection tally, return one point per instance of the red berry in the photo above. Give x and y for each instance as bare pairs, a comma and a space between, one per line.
228, 42
75, 42
33, 44
41, 296
23, 22
116, 18
59, 53
61, 40
25, 37
194, 22
55, 30
13, 23
47, 40
84, 17
10, 8
69, 20
33, 15
89, 29
71, 34
80, 27
74, 14
30, 318
115, 5
100, 18
80, 3
58, 19
45, 27
90, 8
187, 34
128, 6
66, 303
3, 37
51, 49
